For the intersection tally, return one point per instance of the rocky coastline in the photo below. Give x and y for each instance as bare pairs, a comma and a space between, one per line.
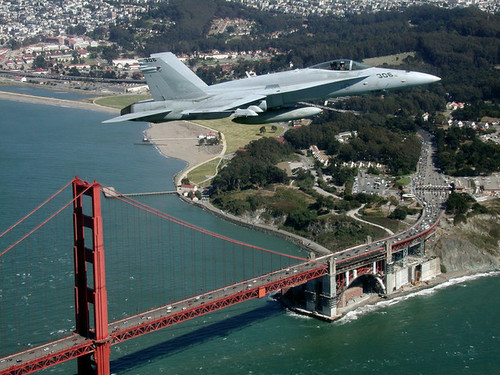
473, 246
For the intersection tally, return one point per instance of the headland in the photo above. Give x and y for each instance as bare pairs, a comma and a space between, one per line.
179, 140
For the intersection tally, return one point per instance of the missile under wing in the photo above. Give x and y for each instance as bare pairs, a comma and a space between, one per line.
179, 94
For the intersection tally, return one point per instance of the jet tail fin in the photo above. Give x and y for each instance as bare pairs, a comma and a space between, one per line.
169, 79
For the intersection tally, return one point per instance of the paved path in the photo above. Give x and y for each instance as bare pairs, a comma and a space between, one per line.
353, 214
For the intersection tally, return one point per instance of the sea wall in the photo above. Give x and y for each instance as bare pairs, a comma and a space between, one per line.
312, 248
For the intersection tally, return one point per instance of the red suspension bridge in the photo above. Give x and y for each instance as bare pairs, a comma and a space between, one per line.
165, 271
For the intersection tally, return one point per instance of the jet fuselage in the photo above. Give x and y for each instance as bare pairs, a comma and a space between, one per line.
178, 94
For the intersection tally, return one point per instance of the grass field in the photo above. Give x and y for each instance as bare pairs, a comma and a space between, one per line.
404, 181
199, 176
237, 135
394, 225
392, 60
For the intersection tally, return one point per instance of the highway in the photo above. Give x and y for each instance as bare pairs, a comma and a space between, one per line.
429, 187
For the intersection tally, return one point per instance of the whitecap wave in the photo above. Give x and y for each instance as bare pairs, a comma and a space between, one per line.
362, 310
293, 314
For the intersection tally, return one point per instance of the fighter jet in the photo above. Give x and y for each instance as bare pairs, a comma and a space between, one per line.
179, 94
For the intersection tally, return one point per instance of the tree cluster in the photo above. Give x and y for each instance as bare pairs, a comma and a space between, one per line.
460, 45
391, 143
254, 167
458, 203
460, 152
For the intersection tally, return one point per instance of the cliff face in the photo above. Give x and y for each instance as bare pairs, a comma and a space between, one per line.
470, 246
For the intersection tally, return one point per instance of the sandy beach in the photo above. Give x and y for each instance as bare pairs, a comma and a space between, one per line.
177, 139
55, 102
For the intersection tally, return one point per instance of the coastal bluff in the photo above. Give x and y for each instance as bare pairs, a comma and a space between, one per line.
470, 246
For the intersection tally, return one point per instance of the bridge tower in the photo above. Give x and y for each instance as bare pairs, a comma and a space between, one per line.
90, 280
390, 278
328, 296
321, 294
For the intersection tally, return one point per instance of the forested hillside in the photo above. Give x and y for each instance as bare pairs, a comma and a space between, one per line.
462, 153
460, 45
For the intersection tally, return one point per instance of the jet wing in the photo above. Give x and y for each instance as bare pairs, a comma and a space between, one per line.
220, 104
212, 105
138, 115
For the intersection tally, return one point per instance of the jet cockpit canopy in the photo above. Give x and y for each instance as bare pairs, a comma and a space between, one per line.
341, 64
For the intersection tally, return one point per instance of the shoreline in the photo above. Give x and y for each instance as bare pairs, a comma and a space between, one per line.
441, 281
372, 302
177, 140
304, 243
26, 98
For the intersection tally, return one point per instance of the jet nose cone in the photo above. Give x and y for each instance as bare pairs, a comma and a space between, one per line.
429, 78
417, 79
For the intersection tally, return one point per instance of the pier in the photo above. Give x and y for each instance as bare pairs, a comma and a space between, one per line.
110, 192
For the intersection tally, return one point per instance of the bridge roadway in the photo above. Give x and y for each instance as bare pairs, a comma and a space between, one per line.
75, 345
363, 254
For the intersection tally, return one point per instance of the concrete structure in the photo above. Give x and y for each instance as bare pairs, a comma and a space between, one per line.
383, 270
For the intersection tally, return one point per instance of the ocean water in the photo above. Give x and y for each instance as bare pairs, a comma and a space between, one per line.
449, 329
44, 92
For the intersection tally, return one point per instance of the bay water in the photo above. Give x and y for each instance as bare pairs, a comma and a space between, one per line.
453, 328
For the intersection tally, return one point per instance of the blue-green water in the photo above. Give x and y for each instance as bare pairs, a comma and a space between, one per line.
447, 330
43, 92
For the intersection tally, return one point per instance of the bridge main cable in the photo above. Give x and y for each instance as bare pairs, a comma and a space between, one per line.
43, 222
158, 213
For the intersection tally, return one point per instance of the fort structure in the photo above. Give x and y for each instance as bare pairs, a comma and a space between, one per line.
381, 270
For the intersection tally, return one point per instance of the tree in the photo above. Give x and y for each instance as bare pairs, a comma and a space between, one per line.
40, 62
262, 129
110, 54
76, 59
76, 30
122, 37
399, 213
301, 218
458, 203
110, 74
74, 72
137, 75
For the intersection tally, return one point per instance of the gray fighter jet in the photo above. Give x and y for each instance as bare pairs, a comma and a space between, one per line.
179, 94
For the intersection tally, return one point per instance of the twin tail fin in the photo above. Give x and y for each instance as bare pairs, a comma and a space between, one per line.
169, 79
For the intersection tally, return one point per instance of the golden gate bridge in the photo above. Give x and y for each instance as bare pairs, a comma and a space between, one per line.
165, 271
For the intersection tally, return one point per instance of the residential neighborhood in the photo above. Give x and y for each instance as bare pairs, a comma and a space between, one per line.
63, 35
346, 7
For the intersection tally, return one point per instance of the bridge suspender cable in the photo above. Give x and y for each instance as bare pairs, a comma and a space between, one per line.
146, 208
36, 209
43, 222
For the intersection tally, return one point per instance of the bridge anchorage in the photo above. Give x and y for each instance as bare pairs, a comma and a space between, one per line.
238, 272
361, 273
